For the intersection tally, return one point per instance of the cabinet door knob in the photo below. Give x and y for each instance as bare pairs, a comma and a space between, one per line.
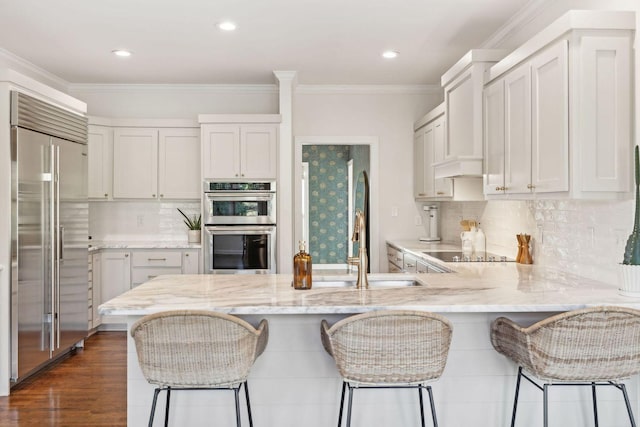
162, 195
236, 174
498, 188
531, 186
186, 254
106, 194
153, 195
126, 255
440, 193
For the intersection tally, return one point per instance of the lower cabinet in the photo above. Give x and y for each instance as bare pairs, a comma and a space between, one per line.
113, 272
400, 261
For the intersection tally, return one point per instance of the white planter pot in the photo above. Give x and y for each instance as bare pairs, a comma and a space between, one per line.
629, 280
193, 236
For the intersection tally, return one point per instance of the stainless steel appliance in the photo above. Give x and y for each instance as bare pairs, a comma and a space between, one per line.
240, 249
49, 233
432, 224
240, 227
230, 203
458, 256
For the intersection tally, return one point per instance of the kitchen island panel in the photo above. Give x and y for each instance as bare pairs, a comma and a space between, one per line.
294, 382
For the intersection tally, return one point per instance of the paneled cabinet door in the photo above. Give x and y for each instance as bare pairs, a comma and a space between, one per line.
258, 151
419, 165
179, 164
550, 120
115, 278
190, 261
97, 287
135, 163
221, 151
493, 178
443, 187
517, 96
100, 162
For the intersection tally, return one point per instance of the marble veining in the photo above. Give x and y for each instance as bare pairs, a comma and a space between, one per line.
474, 287
96, 246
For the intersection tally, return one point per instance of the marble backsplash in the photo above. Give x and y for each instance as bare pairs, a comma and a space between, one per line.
586, 238
139, 221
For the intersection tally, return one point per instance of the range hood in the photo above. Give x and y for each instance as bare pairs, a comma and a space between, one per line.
467, 166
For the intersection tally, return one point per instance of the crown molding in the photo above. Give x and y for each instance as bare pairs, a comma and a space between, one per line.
14, 61
155, 88
525, 15
369, 89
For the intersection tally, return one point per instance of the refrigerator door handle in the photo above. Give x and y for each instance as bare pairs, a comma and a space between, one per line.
59, 248
53, 246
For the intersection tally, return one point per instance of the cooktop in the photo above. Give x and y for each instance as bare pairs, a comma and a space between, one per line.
458, 256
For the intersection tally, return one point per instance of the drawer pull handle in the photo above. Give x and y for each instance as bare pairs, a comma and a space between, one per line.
410, 265
151, 277
156, 259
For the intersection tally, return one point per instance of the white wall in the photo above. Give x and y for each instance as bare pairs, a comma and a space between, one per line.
388, 116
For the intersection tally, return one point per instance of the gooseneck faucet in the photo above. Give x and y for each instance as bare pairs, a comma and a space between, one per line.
360, 236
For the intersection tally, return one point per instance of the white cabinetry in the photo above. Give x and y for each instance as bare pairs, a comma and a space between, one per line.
239, 146
147, 264
100, 162
152, 163
115, 278
463, 84
423, 162
191, 261
558, 121
239, 151
135, 163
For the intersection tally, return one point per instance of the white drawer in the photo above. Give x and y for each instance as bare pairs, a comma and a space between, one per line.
394, 256
142, 274
409, 263
394, 268
157, 259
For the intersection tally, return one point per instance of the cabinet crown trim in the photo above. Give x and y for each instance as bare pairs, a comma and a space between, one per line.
143, 123
570, 21
429, 117
239, 118
471, 57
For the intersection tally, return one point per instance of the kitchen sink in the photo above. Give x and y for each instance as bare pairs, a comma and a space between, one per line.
373, 283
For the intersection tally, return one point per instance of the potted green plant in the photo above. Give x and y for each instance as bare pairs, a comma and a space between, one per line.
630, 267
194, 224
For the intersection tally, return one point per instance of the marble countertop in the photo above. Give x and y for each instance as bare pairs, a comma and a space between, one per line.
475, 287
98, 245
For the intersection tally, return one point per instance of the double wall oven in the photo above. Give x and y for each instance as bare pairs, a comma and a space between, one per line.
240, 227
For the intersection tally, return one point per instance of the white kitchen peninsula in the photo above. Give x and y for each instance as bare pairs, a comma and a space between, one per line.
295, 382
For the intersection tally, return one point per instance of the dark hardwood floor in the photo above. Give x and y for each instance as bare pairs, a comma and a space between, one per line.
89, 388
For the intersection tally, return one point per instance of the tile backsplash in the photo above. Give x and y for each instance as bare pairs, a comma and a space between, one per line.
140, 220
586, 238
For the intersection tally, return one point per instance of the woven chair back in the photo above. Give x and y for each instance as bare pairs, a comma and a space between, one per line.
194, 349
391, 347
600, 343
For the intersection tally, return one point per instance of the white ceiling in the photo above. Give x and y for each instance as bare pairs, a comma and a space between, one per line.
326, 41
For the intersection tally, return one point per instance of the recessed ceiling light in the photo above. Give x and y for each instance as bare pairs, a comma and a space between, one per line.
227, 26
389, 54
121, 53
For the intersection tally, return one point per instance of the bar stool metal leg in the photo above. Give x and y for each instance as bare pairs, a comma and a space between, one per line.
515, 400
153, 406
595, 403
236, 392
166, 409
349, 406
545, 405
626, 401
421, 405
246, 393
433, 407
344, 386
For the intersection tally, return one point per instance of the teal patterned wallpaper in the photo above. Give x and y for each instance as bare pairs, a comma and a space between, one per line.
328, 198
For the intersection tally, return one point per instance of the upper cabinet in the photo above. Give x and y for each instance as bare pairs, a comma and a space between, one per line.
100, 162
239, 146
144, 162
463, 84
428, 151
558, 111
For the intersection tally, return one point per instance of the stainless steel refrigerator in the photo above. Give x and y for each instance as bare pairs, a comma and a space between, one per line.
49, 233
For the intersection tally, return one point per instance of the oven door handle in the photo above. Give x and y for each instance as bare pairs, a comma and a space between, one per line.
240, 229
241, 197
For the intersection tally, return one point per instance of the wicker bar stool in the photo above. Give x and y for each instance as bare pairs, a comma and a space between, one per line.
197, 350
589, 347
388, 349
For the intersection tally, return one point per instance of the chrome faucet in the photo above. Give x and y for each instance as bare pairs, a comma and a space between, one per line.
360, 236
